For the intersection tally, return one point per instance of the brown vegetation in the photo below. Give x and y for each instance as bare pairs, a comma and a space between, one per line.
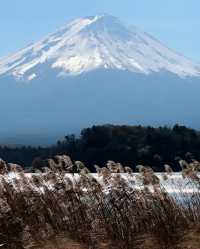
52, 209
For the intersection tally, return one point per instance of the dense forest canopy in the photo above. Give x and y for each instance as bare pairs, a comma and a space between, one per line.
129, 145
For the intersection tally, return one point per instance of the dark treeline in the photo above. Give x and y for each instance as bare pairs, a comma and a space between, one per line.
129, 145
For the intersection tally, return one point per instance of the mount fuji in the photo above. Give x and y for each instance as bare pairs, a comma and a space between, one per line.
95, 70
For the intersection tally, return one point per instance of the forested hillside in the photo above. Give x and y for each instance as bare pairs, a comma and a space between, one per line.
129, 145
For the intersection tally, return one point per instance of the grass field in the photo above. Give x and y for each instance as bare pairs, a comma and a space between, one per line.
112, 209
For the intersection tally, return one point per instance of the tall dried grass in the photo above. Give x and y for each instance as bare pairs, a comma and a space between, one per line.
52, 209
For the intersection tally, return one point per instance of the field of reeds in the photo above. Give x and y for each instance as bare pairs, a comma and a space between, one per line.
114, 208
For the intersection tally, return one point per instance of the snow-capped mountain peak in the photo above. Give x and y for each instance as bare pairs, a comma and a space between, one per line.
92, 43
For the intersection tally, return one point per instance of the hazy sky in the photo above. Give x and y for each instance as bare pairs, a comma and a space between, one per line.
174, 22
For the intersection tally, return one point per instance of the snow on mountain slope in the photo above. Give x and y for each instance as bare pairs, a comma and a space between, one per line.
94, 43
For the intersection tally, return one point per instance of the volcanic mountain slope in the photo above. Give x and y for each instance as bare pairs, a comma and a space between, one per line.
96, 42
96, 70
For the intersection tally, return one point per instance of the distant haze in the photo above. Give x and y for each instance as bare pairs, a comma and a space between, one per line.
95, 70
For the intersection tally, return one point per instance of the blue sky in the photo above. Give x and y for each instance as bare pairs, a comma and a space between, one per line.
174, 22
